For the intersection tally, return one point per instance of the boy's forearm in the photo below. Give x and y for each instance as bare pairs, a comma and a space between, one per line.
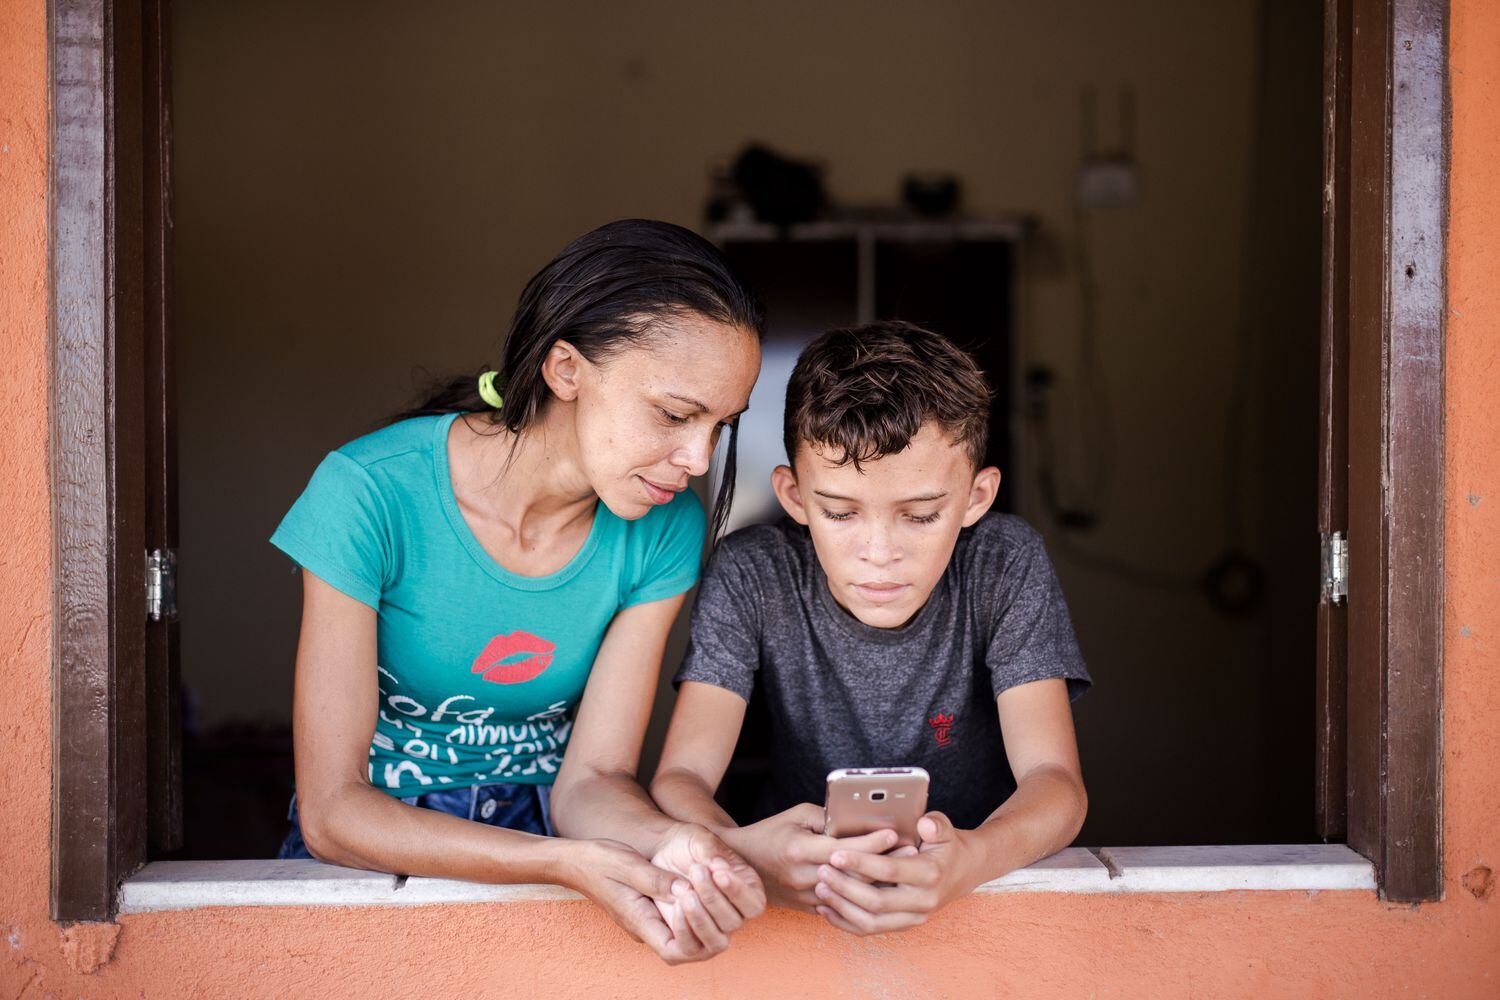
1041, 818
684, 795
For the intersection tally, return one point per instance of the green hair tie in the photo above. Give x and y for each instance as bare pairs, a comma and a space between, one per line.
488, 392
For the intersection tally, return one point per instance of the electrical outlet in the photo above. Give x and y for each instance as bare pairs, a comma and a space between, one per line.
1107, 182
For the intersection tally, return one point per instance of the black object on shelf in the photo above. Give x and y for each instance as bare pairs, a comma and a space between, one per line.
780, 190
931, 195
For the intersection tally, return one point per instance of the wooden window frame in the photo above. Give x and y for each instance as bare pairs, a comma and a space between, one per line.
116, 759
1380, 656
116, 754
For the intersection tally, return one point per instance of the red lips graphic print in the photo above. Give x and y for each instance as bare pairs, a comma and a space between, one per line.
498, 660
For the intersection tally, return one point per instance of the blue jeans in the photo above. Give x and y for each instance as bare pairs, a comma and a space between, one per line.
527, 808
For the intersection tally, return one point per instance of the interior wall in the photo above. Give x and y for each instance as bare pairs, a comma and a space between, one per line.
362, 190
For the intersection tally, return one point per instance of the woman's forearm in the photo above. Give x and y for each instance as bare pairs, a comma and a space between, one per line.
359, 826
610, 805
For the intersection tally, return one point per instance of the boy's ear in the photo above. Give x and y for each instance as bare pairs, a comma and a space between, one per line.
784, 483
982, 494
562, 370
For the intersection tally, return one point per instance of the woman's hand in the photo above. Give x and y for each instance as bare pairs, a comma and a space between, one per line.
788, 848
634, 892
724, 890
867, 893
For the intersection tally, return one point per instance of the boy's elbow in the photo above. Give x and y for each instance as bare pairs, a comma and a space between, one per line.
1068, 800
661, 783
669, 781
1080, 807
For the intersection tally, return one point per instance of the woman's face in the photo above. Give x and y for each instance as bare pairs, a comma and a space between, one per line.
649, 417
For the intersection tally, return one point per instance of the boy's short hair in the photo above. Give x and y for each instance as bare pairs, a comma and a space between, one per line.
864, 392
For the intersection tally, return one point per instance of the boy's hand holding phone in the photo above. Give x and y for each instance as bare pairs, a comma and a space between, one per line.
789, 848
866, 892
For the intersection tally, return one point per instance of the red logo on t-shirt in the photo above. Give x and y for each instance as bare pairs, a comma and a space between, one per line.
942, 728
500, 665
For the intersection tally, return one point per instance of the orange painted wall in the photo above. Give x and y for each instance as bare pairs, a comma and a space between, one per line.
1229, 944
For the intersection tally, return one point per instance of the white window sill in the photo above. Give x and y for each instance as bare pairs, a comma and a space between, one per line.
181, 885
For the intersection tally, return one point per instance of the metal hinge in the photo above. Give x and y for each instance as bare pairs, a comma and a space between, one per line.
161, 585
1335, 567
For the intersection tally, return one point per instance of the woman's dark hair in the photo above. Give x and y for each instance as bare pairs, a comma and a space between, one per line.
602, 294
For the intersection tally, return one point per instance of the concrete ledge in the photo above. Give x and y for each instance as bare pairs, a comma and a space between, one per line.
1214, 868
420, 891
1073, 869
181, 885
186, 885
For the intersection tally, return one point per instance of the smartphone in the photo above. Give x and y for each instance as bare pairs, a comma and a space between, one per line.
865, 799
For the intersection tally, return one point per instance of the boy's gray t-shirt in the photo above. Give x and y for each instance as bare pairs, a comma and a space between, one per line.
845, 694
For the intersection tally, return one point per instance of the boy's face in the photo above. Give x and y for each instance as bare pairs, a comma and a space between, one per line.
884, 533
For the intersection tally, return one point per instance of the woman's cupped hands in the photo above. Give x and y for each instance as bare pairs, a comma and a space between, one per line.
685, 902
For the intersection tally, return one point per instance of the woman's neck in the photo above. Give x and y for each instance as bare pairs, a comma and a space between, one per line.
532, 482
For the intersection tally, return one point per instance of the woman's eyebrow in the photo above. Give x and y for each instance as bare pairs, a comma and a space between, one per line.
699, 407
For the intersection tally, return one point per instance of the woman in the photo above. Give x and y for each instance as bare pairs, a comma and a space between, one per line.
488, 586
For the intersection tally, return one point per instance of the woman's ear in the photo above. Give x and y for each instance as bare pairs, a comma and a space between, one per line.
784, 483
982, 494
562, 370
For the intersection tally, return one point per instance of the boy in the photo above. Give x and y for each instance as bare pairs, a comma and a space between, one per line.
891, 621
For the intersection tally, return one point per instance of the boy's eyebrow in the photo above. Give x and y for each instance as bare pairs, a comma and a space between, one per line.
917, 499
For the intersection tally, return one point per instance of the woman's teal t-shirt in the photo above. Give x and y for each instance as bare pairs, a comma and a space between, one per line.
480, 668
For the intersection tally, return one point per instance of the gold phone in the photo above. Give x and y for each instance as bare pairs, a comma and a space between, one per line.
862, 800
